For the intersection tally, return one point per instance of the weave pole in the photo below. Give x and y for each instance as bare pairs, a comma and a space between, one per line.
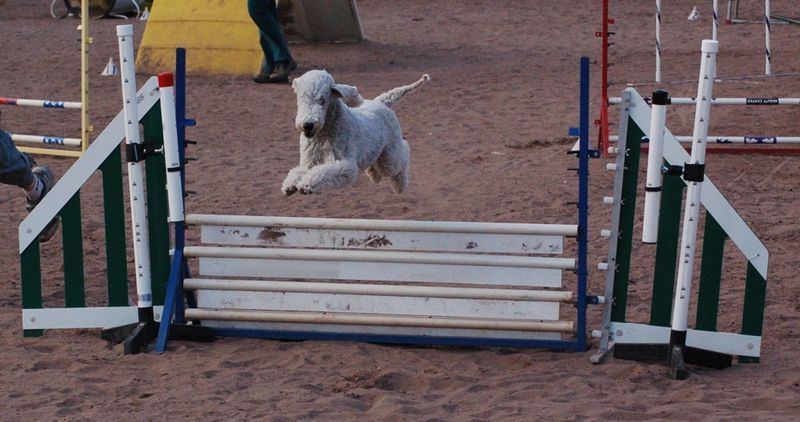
658, 40
767, 31
715, 19
693, 174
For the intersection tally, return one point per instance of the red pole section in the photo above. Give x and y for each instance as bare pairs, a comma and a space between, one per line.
603, 121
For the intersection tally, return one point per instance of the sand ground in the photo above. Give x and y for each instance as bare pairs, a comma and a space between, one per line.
488, 143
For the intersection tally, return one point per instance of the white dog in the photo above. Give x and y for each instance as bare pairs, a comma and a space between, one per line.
343, 134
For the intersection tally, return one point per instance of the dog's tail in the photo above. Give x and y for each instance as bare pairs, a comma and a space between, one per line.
392, 96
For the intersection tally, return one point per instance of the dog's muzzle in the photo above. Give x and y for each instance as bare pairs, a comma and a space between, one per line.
308, 129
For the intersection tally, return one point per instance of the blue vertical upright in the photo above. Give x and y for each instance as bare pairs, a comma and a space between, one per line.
583, 204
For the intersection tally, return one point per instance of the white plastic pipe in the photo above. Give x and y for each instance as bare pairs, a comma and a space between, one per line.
384, 320
49, 140
172, 157
377, 290
141, 238
655, 159
680, 311
379, 256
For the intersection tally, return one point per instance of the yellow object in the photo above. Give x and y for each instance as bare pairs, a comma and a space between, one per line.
51, 151
219, 37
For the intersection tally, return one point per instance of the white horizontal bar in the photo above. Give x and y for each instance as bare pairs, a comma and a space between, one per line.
380, 271
362, 330
378, 290
748, 140
77, 318
727, 343
381, 256
384, 320
428, 307
290, 237
40, 103
724, 101
49, 140
387, 225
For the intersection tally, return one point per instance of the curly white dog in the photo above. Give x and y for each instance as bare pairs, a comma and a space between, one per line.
343, 134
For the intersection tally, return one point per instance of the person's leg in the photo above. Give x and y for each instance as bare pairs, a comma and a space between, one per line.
258, 11
280, 49
15, 167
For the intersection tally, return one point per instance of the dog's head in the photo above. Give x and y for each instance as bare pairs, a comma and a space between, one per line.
316, 92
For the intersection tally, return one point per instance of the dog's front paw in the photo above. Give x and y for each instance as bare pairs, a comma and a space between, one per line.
288, 190
307, 190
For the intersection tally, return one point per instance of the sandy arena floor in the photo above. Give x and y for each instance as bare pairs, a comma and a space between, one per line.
488, 143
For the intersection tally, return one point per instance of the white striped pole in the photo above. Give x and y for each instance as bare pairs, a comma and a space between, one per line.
26, 102
715, 19
652, 195
745, 140
135, 168
766, 101
658, 40
693, 174
767, 30
48, 140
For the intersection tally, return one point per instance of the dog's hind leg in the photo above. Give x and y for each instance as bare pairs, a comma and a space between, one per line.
325, 176
291, 180
375, 173
394, 161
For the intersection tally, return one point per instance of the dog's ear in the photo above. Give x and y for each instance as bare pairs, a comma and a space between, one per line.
344, 91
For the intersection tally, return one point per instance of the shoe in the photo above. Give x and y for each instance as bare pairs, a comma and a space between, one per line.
261, 78
282, 71
46, 177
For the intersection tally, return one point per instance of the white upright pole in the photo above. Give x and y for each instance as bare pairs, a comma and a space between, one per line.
166, 88
693, 174
658, 40
767, 30
715, 19
655, 154
135, 169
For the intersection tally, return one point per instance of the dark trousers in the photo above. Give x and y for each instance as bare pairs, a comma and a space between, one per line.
15, 167
265, 14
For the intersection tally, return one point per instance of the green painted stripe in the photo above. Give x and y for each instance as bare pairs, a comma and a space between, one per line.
72, 233
669, 222
31, 282
755, 295
626, 220
157, 210
710, 275
114, 211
